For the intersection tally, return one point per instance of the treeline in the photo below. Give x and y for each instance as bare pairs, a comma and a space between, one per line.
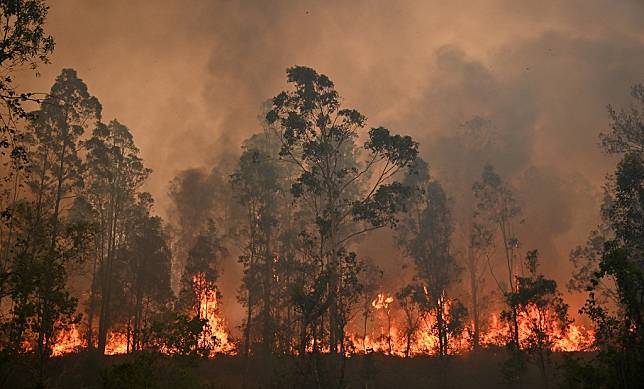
79, 222
81, 248
79, 229
314, 182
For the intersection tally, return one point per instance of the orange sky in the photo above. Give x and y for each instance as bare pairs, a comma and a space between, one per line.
188, 77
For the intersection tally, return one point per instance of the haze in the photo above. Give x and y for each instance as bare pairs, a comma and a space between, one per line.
189, 77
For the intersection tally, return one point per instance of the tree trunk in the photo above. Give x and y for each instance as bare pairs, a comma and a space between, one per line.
46, 318
267, 333
249, 318
364, 330
476, 341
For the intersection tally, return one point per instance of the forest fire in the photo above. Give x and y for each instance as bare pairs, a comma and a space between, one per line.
215, 337
390, 339
68, 341
202, 208
425, 342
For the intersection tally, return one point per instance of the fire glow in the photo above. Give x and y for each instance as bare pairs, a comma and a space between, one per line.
215, 337
386, 336
391, 340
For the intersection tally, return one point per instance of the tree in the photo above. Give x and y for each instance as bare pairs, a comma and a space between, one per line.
620, 334
496, 205
198, 197
371, 281
542, 311
461, 153
383, 303
586, 258
260, 183
39, 268
479, 246
148, 262
114, 172
23, 44
202, 270
626, 134
619, 271
319, 137
410, 299
425, 235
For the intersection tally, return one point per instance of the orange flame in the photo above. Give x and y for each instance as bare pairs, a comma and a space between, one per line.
67, 341
386, 336
424, 341
216, 336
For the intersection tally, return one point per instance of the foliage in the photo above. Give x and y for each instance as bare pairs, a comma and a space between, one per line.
620, 321
627, 126
23, 44
496, 206
148, 371
543, 313
347, 189
410, 298
425, 235
180, 335
203, 260
46, 240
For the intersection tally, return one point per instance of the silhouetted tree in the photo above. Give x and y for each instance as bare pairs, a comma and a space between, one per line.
39, 268
544, 314
24, 44
496, 205
618, 268
479, 247
411, 300
371, 281
147, 270
202, 269
426, 237
318, 136
114, 173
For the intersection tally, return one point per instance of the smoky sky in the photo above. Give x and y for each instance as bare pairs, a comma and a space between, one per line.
189, 78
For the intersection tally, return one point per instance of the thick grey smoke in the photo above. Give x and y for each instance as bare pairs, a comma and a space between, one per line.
189, 77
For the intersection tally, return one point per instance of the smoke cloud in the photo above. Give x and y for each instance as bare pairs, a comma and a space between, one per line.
189, 77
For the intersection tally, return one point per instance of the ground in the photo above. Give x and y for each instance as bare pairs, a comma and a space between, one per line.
483, 369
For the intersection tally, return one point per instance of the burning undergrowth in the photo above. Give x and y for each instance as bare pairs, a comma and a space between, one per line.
387, 334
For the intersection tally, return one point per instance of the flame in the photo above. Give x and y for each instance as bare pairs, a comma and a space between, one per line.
216, 336
424, 340
387, 336
393, 341
70, 341
67, 342
575, 337
117, 343
382, 301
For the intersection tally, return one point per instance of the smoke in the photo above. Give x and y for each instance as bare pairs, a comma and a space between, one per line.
189, 78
